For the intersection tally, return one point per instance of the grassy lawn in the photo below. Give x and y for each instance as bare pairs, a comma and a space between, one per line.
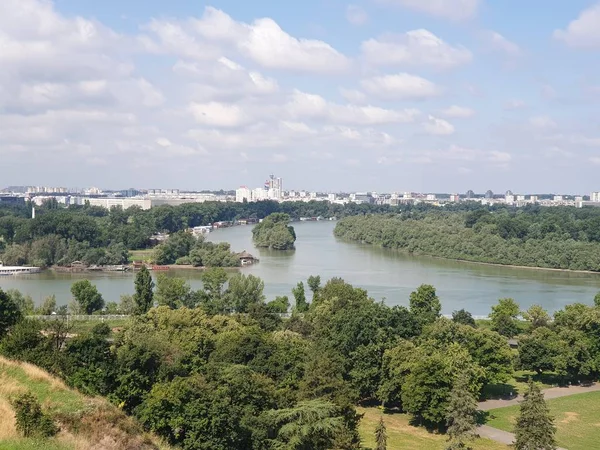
140, 255
577, 419
402, 435
85, 326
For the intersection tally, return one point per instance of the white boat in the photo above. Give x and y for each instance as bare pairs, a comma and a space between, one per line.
17, 270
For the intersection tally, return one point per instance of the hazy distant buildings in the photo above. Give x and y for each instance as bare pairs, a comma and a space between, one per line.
489, 194
275, 188
470, 194
271, 190
595, 197
243, 194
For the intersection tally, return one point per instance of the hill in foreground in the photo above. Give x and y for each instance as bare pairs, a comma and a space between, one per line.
85, 422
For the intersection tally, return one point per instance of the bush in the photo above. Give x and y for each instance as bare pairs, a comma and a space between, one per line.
31, 421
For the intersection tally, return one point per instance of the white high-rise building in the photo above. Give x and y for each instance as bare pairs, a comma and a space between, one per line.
275, 187
259, 194
595, 197
243, 193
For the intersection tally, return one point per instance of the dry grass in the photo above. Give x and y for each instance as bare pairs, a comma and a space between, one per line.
570, 417
35, 373
7, 424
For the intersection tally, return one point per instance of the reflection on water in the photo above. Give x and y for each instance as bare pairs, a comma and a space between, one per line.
386, 274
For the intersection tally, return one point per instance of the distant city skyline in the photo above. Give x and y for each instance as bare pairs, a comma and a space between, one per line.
384, 95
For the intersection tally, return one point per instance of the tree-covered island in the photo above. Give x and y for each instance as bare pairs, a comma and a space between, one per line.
274, 232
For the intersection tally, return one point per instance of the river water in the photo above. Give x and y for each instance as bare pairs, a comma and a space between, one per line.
387, 275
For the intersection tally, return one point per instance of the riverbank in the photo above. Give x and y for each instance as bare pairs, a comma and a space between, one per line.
510, 266
459, 260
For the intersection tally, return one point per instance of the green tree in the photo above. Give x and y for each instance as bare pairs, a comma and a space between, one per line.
244, 291
461, 416
300, 297
48, 306
425, 304
534, 429
213, 280
127, 304
87, 296
314, 284
274, 232
10, 313
144, 296
463, 317
30, 420
310, 425
539, 350
280, 305
173, 292
427, 386
24, 302
504, 317
597, 299
380, 436
537, 316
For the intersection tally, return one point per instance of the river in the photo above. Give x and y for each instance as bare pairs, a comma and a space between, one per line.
387, 275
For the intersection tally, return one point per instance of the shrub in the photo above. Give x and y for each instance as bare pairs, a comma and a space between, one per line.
31, 421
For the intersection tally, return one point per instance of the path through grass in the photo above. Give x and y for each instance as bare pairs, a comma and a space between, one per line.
401, 435
577, 420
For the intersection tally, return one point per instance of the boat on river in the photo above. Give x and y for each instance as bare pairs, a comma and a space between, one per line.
17, 270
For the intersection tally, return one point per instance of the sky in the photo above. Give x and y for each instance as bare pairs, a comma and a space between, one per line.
372, 95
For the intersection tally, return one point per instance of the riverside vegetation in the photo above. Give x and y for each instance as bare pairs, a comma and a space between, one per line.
274, 232
221, 368
556, 238
59, 235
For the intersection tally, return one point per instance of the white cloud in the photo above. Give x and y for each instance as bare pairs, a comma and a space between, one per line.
457, 112
311, 106
438, 127
272, 47
356, 15
500, 44
219, 114
414, 48
263, 41
449, 9
500, 157
595, 160
150, 95
224, 79
401, 86
584, 31
353, 95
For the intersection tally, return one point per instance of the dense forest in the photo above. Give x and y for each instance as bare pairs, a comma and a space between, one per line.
94, 235
224, 370
549, 237
274, 232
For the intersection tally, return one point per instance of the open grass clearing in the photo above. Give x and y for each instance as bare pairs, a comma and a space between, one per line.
141, 255
85, 326
402, 435
577, 419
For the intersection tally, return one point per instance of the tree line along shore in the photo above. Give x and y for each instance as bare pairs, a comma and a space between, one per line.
223, 368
